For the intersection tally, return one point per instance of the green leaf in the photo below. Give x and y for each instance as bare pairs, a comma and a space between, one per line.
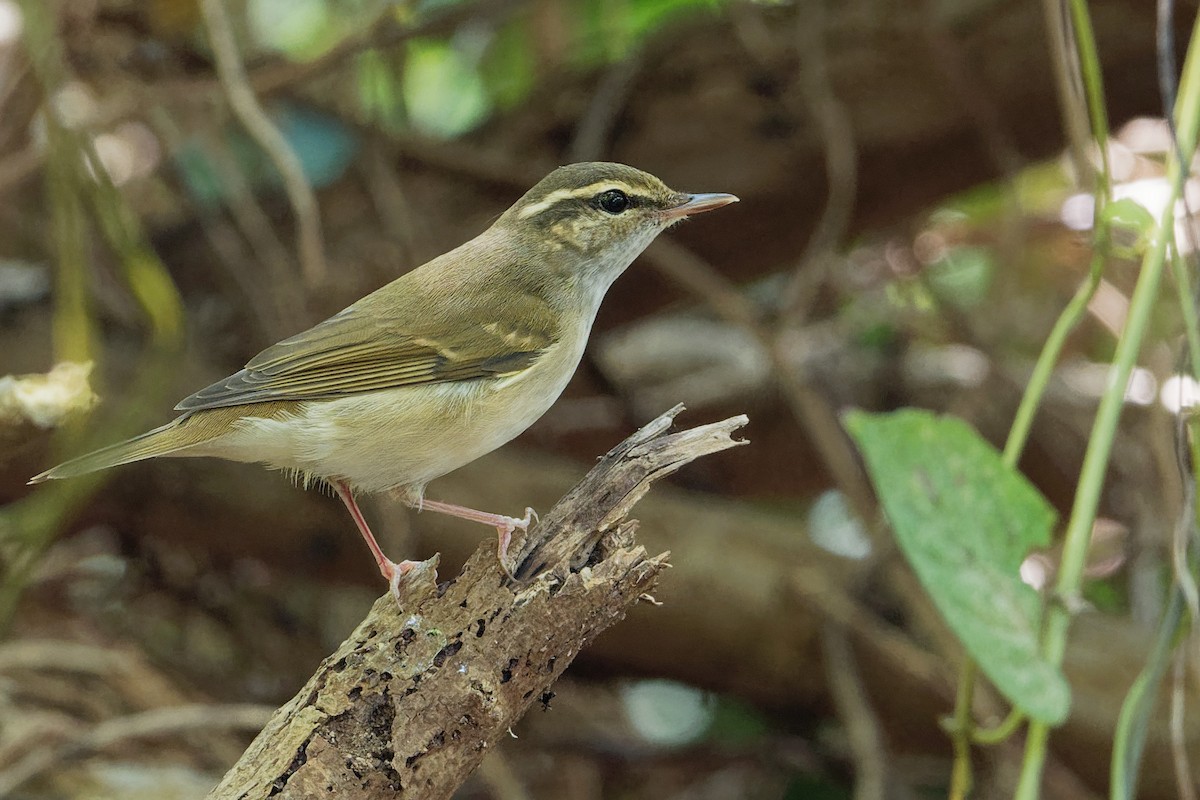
510, 65
965, 522
606, 31
444, 94
303, 29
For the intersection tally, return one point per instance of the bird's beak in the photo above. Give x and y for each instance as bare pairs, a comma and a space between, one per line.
698, 204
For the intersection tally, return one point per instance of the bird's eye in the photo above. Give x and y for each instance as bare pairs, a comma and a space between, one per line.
614, 201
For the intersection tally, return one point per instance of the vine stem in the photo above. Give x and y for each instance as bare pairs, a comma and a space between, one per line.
1089, 62
1095, 460
962, 732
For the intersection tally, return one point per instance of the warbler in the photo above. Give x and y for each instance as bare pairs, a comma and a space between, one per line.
440, 366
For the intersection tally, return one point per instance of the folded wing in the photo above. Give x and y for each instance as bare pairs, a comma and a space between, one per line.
356, 351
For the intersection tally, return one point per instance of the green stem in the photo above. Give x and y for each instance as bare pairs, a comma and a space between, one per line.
1043, 370
1093, 83
1129, 738
960, 735
74, 332
1087, 494
963, 732
145, 274
1095, 461
1187, 308
996, 735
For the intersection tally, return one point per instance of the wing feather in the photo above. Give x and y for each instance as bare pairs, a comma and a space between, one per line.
360, 351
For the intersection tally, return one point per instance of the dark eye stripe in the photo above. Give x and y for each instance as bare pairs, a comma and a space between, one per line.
562, 207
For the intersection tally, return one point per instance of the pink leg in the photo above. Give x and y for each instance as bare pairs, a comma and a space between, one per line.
392, 572
503, 525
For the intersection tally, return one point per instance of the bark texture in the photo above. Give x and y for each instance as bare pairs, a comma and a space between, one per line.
411, 702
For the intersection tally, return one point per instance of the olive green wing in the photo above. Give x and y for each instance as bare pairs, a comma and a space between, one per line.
357, 351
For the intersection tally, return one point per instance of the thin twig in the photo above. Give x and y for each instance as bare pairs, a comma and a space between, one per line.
608, 101
841, 165
693, 273
950, 59
382, 33
176, 721
55, 654
856, 714
1070, 86
468, 160
232, 254
809, 407
252, 116
278, 299
158, 722
904, 658
811, 410
391, 203
819, 421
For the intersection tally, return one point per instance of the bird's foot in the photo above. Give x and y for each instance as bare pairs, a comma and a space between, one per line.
505, 527
394, 573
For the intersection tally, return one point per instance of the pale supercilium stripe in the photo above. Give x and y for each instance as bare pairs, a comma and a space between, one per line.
559, 195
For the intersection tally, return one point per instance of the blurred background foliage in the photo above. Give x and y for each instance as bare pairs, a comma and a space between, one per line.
915, 215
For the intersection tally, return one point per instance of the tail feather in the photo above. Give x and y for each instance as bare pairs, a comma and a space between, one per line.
161, 441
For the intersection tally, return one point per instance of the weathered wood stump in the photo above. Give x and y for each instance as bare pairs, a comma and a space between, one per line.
412, 700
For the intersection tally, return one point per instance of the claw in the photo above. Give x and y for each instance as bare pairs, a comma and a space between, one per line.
394, 574
505, 532
511, 524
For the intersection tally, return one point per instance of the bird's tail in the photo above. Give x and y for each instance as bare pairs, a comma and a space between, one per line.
161, 441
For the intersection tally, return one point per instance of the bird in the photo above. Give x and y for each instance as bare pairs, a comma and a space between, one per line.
439, 367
